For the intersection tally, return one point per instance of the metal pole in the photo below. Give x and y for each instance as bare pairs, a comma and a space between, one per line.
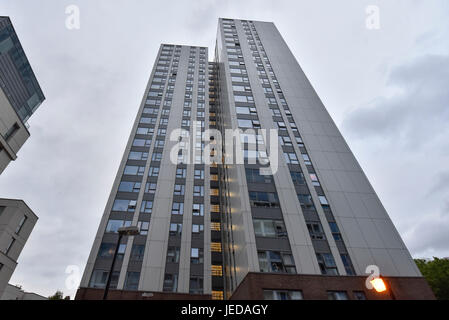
108, 282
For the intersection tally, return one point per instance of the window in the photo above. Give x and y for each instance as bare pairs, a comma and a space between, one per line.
246, 110
199, 174
177, 208
244, 123
10, 244
290, 157
134, 170
146, 207
323, 200
297, 178
175, 229
150, 187
347, 264
269, 228
198, 191
281, 124
132, 280
251, 138
327, 263
153, 172
173, 254
263, 199
124, 205
196, 285
239, 79
179, 190
137, 252
254, 176
129, 186
359, 295
148, 120
197, 228
335, 231
306, 159
306, 201
316, 231
337, 295
143, 226
239, 98
282, 295
170, 282
114, 225
145, 131
285, 141
21, 223
157, 156
141, 143
314, 179
107, 250
159, 143
99, 278
181, 173
196, 255
198, 209
274, 261
133, 155
240, 88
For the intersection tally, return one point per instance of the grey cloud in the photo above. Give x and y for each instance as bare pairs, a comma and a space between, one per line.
416, 111
430, 234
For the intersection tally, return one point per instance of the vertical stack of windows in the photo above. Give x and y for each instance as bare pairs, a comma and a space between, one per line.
130, 186
176, 226
169, 69
270, 232
197, 62
324, 257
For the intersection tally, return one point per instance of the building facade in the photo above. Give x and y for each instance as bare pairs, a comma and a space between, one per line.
12, 292
20, 94
293, 218
16, 223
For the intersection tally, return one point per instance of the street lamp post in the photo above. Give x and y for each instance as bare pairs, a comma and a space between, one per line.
124, 231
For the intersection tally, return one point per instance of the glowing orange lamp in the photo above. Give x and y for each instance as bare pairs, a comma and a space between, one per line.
378, 284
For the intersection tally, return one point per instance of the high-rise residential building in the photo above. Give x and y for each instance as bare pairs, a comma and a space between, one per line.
16, 223
20, 94
292, 217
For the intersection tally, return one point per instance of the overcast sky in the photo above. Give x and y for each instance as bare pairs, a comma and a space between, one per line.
386, 89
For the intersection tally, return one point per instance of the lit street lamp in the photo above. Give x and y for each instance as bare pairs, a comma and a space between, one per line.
124, 231
381, 284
